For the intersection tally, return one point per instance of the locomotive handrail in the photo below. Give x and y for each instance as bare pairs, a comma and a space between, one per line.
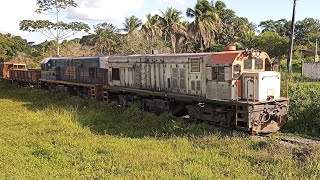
254, 89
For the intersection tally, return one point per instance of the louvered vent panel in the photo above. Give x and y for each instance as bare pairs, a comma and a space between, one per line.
174, 83
175, 73
195, 65
198, 85
193, 85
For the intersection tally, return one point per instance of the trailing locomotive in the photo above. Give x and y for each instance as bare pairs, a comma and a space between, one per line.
234, 89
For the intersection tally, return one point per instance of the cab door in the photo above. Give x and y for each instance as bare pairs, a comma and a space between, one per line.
194, 66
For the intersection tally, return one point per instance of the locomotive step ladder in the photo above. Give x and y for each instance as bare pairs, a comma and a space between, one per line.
105, 94
241, 118
96, 92
39, 84
93, 93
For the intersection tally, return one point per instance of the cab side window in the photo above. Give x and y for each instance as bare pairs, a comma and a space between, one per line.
236, 71
116, 74
218, 73
92, 72
221, 74
214, 73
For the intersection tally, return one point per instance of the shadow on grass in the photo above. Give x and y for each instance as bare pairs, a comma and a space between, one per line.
109, 118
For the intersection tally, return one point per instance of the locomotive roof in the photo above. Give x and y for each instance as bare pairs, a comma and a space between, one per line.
226, 57
46, 60
12, 63
216, 58
180, 54
225, 54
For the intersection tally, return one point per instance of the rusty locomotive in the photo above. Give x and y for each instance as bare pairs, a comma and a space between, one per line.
234, 89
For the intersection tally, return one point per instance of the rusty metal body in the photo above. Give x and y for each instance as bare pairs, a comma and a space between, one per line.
79, 70
25, 76
230, 88
235, 89
80, 76
6, 66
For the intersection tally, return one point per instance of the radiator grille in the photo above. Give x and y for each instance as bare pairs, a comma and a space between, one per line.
195, 65
182, 78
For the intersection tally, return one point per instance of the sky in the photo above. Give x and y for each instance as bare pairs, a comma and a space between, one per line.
114, 11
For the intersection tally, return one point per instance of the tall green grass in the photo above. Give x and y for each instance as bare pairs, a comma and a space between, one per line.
50, 136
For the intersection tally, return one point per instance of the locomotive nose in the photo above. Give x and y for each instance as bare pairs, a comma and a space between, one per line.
274, 124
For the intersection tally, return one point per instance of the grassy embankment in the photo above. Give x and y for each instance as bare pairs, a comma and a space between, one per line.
48, 136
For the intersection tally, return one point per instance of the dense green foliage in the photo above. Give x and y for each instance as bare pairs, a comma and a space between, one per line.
47, 136
273, 43
304, 108
11, 45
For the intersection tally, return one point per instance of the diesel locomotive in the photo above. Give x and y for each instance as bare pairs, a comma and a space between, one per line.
233, 89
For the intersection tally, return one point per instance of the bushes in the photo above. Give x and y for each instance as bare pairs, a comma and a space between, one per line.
304, 108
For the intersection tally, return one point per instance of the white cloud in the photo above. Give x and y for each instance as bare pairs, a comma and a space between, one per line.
104, 10
154, 12
14, 11
181, 2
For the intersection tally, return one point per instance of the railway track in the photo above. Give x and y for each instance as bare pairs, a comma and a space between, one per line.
281, 138
293, 141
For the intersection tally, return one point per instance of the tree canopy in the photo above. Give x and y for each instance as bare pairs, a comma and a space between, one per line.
210, 27
54, 30
131, 24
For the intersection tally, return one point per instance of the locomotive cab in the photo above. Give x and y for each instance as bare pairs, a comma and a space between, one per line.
259, 83
49, 70
245, 78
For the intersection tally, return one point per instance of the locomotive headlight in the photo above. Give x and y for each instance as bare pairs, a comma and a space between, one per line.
258, 54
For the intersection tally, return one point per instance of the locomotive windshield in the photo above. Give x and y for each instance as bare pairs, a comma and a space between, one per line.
248, 64
258, 64
253, 64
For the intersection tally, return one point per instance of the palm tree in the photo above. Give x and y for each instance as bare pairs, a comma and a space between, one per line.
105, 37
186, 39
131, 24
248, 39
206, 22
219, 6
152, 27
172, 25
